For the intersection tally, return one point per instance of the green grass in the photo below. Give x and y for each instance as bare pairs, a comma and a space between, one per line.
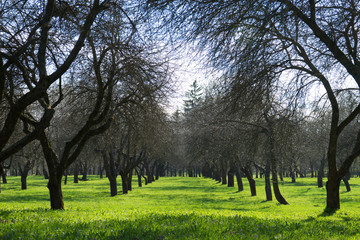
175, 208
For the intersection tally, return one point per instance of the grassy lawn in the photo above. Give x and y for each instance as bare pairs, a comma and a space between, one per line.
175, 208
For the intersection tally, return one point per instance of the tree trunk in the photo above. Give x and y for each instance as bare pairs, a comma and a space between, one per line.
250, 179
3, 174
275, 181
273, 165
85, 172
124, 181
321, 173
267, 182
312, 169
332, 194
239, 180
46, 175
130, 181
347, 185
101, 172
65, 177
277, 193
292, 174
56, 197
146, 180
110, 171
113, 186
23, 180
139, 180
231, 177
76, 173
281, 176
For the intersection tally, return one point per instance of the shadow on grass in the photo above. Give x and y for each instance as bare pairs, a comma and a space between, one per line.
328, 212
175, 226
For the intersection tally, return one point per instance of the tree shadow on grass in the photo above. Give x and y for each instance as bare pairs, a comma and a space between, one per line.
176, 226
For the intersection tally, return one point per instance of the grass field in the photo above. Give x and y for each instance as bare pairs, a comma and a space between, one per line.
175, 208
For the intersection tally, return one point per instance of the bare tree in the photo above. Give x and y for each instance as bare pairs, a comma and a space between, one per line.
311, 39
32, 59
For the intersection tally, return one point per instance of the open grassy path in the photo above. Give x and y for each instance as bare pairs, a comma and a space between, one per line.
175, 208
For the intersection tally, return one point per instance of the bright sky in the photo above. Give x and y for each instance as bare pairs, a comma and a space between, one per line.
189, 67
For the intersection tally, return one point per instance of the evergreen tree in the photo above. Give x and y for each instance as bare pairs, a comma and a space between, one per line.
194, 97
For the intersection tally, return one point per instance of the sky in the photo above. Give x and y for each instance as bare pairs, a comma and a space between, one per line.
190, 66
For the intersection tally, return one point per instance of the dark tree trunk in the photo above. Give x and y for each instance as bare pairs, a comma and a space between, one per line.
46, 175
281, 176
113, 186
146, 180
85, 172
231, 178
65, 177
277, 193
139, 180
130, 181
23, 181
3, 174
332, 194
76, 173
109, 165
101, 172
267, 182
56, 197
239, 180
124, 181
347, 185
292, 174
321, 173
223, 172
24, 173
218, 176
273, 164
275, 181
251, 181
312, 169
256, 173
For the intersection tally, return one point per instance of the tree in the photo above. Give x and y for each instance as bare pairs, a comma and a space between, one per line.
194, 97
32, 59
310, 39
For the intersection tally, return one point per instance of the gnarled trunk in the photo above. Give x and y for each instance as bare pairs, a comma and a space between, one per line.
251, 180
56, 197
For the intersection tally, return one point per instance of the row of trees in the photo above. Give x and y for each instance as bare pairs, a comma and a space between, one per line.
264, 46
290, 75
241, 140
68, 69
